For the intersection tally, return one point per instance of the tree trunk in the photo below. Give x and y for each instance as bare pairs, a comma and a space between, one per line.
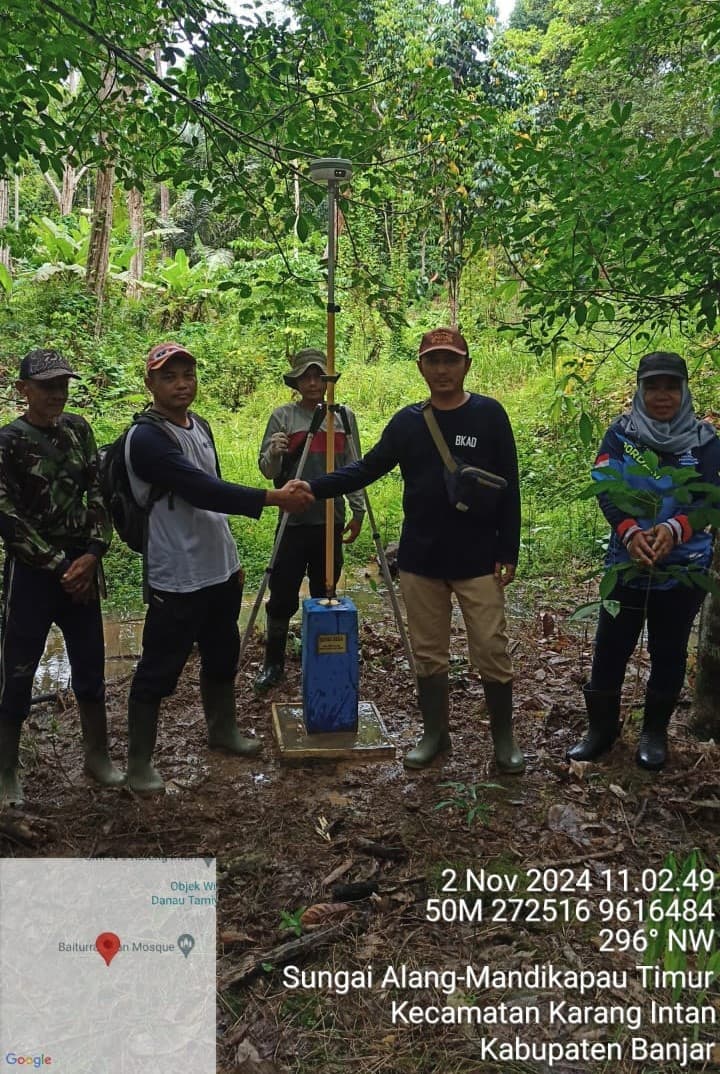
96, 268
297, 204
64, 193
4, 217
99, 250
137, 233
70, 178
163, 189
706, 713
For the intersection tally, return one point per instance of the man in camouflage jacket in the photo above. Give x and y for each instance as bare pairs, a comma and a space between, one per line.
56, 529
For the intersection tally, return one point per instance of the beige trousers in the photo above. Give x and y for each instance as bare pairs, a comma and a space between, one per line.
482, 602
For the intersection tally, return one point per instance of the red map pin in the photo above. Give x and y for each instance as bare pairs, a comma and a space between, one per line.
107, 946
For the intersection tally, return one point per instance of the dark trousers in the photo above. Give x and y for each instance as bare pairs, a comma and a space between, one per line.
174, 622
670, 614
33, 600
302, 552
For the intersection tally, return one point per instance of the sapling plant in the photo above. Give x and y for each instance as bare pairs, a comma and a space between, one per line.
467, 800
645, 501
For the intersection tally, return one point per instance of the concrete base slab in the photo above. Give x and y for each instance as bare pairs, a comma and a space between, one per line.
370, 742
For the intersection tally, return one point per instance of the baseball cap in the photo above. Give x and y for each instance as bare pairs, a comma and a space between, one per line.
444, 339
302, 361
163, 352
40, 364
662, 363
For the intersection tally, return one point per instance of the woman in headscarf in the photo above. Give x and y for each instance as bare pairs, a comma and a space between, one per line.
662, 421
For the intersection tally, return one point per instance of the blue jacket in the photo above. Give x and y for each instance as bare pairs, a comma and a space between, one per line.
693, 548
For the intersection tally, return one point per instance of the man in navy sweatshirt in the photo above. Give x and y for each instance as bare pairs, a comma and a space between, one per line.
193, 571
446, 548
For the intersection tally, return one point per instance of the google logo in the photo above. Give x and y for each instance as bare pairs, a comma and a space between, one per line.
13, 1060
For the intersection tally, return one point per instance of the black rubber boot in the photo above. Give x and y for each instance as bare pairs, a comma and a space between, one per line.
142, 735
603, 709
276, 632
11, 792
93, 721
218, 701
434, 701
652, 747
508, 755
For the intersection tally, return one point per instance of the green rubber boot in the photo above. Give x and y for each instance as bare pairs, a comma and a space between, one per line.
142, 735
508, 755
434, 701
273, 672
93, 721
218, 701
11, 792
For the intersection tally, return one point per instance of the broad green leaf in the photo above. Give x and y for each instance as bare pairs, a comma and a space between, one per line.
585, 429
586, 611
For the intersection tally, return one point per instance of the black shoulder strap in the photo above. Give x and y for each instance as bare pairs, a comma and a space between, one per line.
483, 477
150, 417
48, 448
206, 426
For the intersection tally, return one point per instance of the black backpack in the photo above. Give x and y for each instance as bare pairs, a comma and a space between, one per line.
128, 517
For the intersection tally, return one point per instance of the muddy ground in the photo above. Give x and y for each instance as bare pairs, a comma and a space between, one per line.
285, 837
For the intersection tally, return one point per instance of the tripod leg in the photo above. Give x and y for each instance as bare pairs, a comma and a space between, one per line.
315, 425
263, 586
382, 558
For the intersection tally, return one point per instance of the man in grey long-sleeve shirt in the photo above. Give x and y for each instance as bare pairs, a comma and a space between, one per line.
193, 569
303, 545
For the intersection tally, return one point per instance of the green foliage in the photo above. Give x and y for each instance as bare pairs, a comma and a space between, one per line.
466, 799
290, 920
691, 890
603, 204
62, 248
644, 502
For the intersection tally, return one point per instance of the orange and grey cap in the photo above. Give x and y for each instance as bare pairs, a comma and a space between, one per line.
163, 352
444, 339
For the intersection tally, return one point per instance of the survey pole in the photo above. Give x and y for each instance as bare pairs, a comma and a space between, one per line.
332, 171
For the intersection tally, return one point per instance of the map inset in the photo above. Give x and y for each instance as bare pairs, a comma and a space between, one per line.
108, 966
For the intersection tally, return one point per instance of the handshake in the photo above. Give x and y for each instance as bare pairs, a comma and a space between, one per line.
294, 497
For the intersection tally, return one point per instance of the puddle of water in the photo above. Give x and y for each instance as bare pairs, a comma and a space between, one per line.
123, 636
122, 648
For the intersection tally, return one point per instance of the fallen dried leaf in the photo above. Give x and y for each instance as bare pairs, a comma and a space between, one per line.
248, 1061
235, 937
323, 912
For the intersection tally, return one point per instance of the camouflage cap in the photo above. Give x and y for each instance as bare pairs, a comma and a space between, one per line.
39, 364
302, 361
